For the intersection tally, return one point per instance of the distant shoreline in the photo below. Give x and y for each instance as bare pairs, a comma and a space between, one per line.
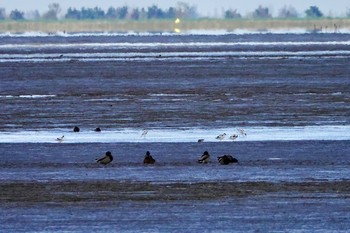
311, 25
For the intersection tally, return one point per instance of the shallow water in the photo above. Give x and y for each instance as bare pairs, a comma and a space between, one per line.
289, 92
139, 204
174, 81
177, 162
258, 214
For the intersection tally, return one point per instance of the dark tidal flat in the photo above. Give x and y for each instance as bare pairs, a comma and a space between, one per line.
174, 81
176, 84
85, 192
277, 186
145, 207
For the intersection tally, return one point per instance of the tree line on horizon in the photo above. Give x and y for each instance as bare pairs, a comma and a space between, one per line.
181, 10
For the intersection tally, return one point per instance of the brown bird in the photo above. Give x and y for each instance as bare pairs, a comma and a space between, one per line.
148, 158
106, 159
226, 159
205, 158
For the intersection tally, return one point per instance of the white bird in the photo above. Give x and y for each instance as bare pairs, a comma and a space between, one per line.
144, 133
242, 132
60, 139
205, 158
221, 136
233, 136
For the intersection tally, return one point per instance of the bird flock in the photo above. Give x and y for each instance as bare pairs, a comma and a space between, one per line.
232, 137
220, 137
148, 158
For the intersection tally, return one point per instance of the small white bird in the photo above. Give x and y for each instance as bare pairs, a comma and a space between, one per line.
144, 133
205, 158
233, 137
106, 159
242, 132
60, 139
221, 136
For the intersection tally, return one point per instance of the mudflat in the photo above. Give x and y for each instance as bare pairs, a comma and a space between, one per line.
110, 191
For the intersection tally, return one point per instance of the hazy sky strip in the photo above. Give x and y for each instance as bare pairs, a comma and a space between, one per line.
204, 7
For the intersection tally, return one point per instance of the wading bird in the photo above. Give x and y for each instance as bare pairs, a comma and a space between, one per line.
60, 139
221, 136
242, 132
233, 137
144, 133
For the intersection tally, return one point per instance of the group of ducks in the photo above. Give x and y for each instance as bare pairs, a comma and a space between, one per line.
148, 159
223, 160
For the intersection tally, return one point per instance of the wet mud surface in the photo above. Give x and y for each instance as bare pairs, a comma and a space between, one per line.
292, 186
114, 191
262, 84
108, 206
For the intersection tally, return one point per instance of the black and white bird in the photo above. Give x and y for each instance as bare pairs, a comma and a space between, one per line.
242, 132
144, 133
60, 139
148, 158
227, 159
233, 137
205, 158
221, 136
106, 159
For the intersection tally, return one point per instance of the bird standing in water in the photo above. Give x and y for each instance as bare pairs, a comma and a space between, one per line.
221, 136
242, 132
60, 139
233, 137
144, 133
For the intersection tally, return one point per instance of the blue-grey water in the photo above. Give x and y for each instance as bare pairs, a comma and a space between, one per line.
290, 93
